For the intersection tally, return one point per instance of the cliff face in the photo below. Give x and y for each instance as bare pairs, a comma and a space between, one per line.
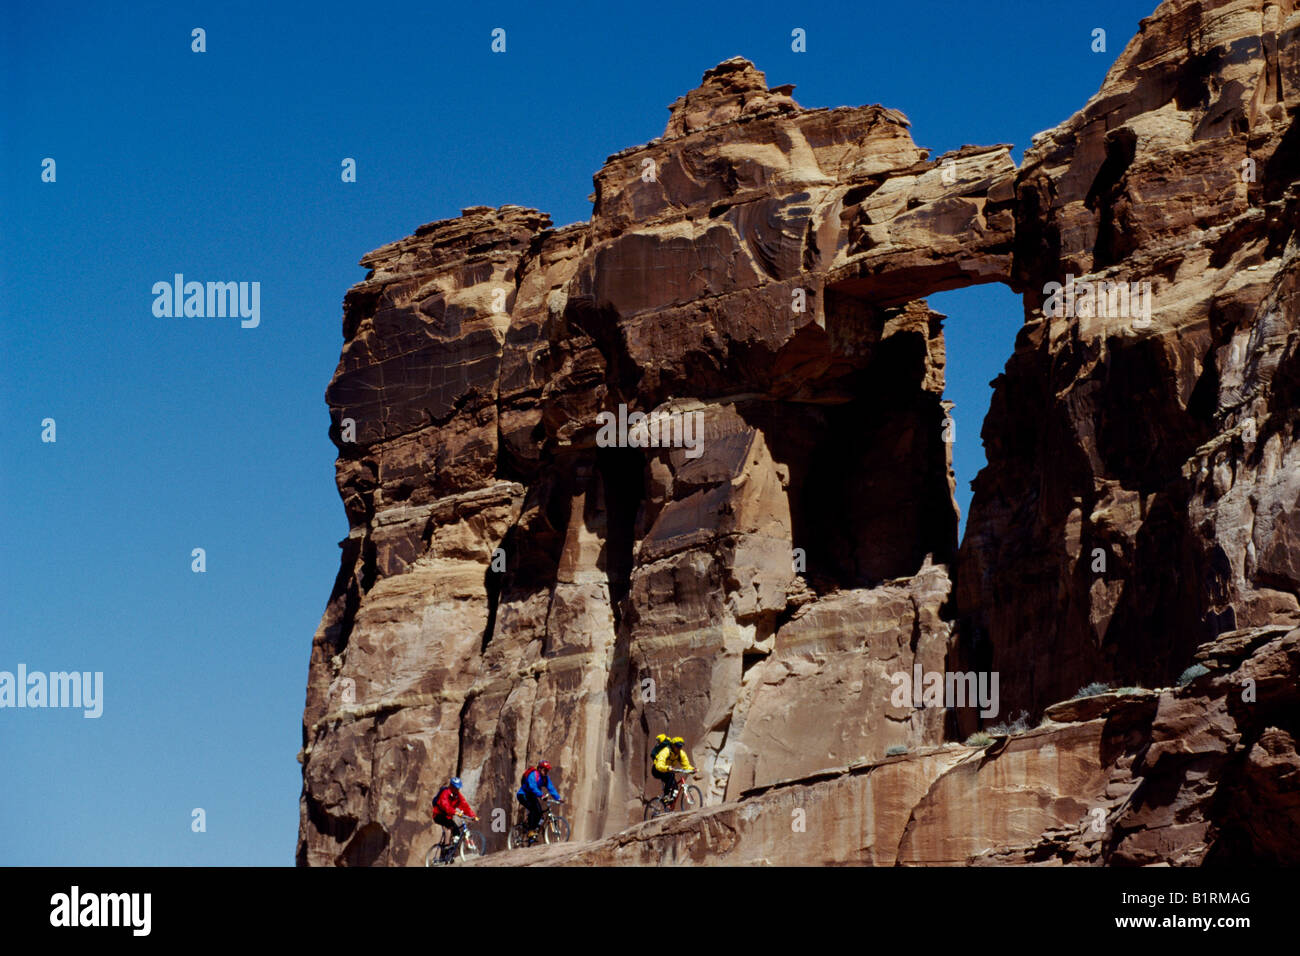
1164, 452
514, 585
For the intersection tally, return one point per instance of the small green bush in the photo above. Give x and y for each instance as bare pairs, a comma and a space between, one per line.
979, 739
895, 750
1129, 690
1193, 672
1092, 690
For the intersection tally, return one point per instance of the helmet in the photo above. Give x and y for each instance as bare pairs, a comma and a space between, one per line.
678, 741
661, 738
544, 766
455, 783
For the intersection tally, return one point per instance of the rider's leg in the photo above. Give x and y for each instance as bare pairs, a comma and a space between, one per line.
667, 780
442, 836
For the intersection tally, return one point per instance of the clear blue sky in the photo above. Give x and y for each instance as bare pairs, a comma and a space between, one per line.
182, 433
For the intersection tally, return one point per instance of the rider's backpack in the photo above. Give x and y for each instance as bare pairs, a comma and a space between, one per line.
661, 746
523, 781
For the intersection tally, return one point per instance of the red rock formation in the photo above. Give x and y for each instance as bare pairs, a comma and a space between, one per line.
1115, 440
514, 587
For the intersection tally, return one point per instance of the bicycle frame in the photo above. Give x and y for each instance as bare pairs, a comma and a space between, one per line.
548, 824
679, 789
547, 817
450, 846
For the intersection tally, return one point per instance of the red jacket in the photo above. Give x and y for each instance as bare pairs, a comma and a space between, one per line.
449, 801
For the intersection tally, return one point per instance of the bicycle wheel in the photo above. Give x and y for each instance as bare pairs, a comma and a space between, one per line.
693, 798
434, 856
654, 806
472, 845
517, 837
556, 830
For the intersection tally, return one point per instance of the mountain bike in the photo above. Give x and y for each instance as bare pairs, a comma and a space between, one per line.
683, 796
465, 845
552, 829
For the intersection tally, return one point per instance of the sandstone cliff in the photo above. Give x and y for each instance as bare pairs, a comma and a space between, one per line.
514, 587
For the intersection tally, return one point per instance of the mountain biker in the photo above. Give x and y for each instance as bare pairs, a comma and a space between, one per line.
448, 802
670, 758
535, 784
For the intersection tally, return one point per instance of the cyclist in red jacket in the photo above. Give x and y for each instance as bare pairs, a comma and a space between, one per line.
447, 804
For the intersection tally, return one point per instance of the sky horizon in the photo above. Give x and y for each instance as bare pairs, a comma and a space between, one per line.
176, 433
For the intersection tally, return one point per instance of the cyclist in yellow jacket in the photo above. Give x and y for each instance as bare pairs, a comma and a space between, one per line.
670, 758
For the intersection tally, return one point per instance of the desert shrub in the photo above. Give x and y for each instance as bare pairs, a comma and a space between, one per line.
979, 739
1193, 672
1092, 690
1017, 726
895, 750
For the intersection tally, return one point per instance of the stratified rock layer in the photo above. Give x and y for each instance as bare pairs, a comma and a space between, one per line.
515, 586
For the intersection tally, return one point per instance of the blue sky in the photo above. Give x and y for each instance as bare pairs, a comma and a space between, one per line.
174, 434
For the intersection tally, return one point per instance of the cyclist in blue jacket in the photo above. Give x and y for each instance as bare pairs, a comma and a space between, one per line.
536, 784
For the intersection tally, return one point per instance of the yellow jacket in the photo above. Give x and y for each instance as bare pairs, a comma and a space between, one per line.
664, 762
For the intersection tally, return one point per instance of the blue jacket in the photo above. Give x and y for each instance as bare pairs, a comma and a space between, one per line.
533, 786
